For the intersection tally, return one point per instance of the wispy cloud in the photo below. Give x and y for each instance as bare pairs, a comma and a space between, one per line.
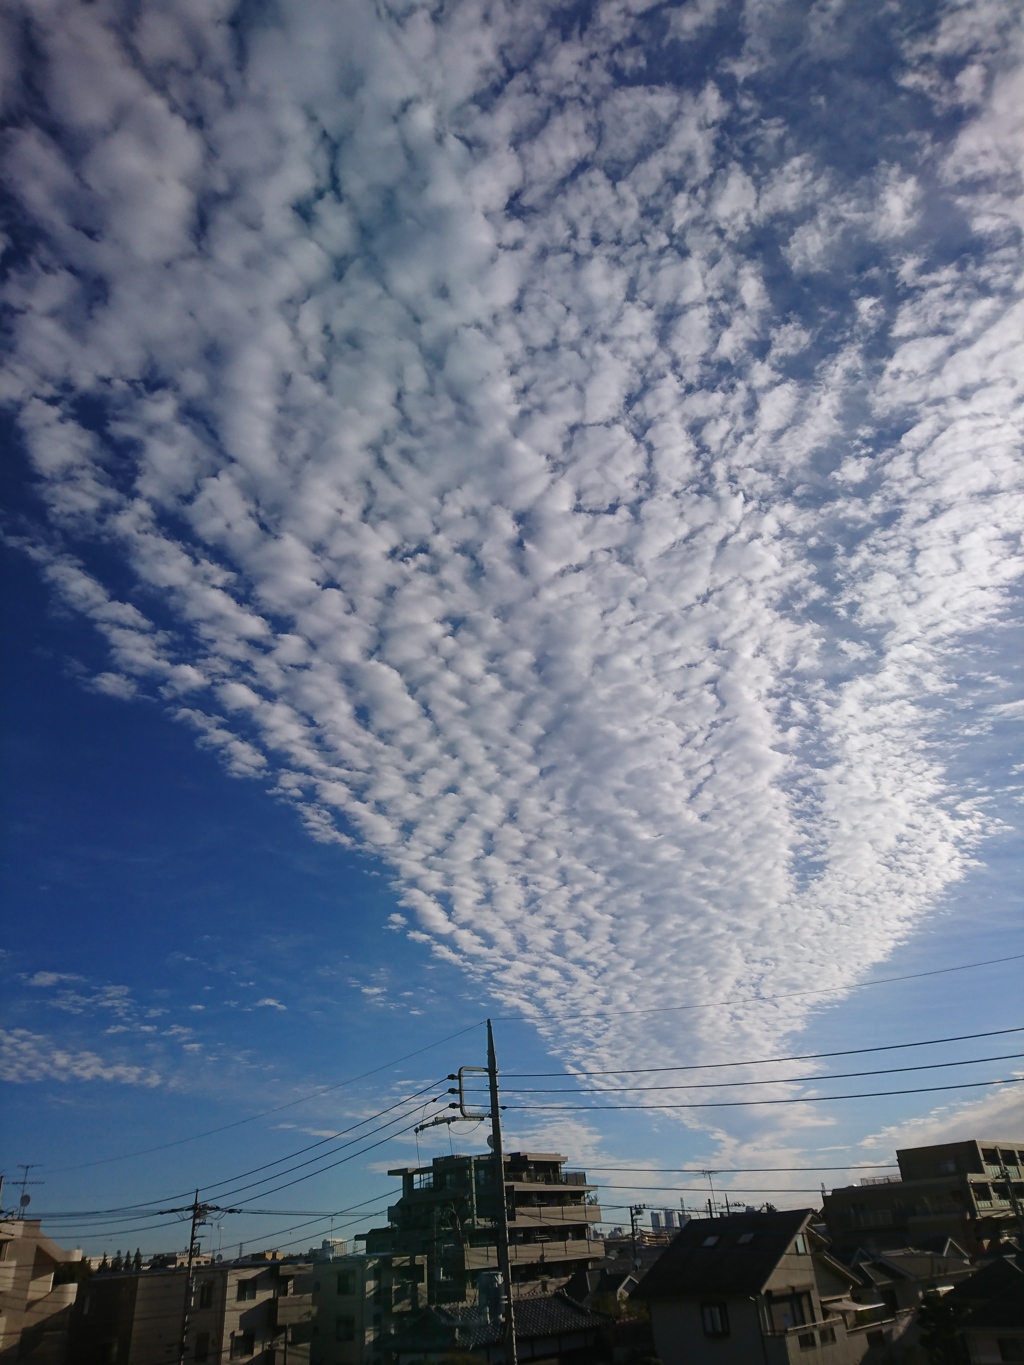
580, 480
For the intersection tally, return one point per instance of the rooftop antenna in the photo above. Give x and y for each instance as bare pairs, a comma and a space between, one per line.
26, 1199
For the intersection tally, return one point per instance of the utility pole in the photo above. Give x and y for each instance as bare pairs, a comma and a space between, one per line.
200, 1215
1015, 1204
635, 1210
504, 1257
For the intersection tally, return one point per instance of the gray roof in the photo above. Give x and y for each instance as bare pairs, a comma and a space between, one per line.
543, 1316
688, 1267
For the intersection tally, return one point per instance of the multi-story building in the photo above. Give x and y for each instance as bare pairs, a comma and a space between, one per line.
240, 1310
34, 1311
448, 1215
970, 1191
359, 1303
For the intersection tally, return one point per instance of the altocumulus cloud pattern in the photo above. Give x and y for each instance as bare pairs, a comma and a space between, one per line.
568, 450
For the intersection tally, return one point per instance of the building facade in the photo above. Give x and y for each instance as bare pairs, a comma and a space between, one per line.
448, 1215
970, 1191
34, 1311
254, 1311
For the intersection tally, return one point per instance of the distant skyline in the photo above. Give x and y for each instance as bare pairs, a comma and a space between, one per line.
510, 511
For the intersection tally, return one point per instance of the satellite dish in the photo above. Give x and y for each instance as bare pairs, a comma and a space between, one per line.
25, 1200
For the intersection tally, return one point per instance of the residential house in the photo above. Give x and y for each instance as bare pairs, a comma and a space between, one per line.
991, 1313
761, 1289
549, 1328
35, 1305
970, 1191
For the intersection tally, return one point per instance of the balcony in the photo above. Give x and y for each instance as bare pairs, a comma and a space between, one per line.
544, 1215
534, 1253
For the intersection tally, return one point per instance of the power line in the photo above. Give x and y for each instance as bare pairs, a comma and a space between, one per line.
764, 999
772, 1080
739, 1170
765, 1061
796, 1099
264, 1113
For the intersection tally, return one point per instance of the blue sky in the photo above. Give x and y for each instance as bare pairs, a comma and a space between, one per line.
513, 510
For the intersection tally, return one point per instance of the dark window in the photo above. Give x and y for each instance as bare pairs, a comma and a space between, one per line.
242, 1344
246, 1290
715, 1319
206, 1294
875, 1338
344, 1329
795, 1310
744, 1239
827, 1335
345, 1282
284, 1287
710, 1241
806, 1341
1009, 1349
202, 1346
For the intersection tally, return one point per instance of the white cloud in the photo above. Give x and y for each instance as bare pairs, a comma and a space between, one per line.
26, 1056
475, 475
269, 1003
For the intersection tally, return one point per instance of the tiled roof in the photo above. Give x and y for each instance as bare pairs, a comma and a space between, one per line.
689, 1266
543, 1316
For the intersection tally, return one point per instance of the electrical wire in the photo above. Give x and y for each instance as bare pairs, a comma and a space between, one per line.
773, 1080
761, 999
766, 1061
264, 1113
739, 1170
796, 1099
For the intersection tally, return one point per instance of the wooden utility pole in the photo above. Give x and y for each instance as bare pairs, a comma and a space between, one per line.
504, 1257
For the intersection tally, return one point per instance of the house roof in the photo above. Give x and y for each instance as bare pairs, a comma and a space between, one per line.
729, 1266
994, 1296
543, 1316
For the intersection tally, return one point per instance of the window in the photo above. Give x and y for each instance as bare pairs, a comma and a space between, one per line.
246, 1291
806, 1341
344, 1329
793, 1310
948, 1167
715, 1319
744, 1239
206, 1294
990, 1156
202, 1346
284, 1286
345, 1285
710, 1241
800, 1245
1010, 1349
242, 1344
827, 1336
875, 1338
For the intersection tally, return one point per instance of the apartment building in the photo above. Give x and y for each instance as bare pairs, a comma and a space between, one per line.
972, 1192
359, 1304
34, 1310
254, 1311
448, 1216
